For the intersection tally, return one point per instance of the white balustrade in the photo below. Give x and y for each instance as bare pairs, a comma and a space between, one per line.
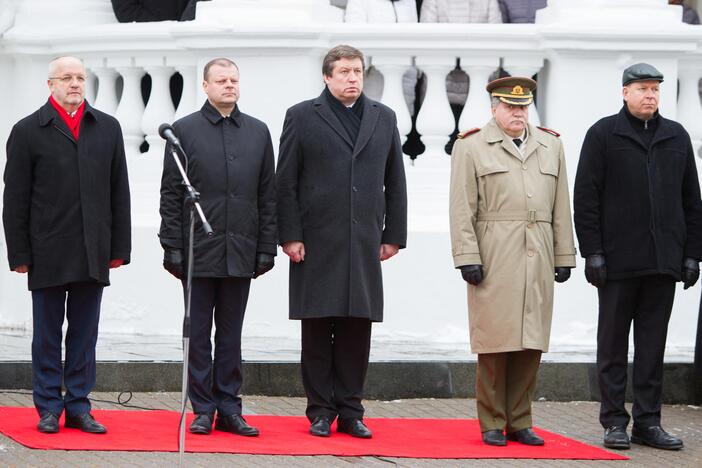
106, 99
476, 112
131, 105
689, 107
188, 100
159, 109
435, 120
393, 68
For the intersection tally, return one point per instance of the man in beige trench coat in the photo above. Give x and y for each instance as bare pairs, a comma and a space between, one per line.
511, 236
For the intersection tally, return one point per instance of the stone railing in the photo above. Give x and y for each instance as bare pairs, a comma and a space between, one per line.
579, 65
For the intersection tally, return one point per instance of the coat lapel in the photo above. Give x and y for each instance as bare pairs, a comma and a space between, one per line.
327, 114
49, 116
494, 134
370, 118
532, 143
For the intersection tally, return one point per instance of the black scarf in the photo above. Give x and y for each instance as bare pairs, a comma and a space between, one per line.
350, 118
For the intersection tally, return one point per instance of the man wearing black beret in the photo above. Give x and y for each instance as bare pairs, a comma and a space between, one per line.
638, 218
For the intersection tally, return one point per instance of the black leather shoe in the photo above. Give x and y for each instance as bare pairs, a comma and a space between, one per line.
48, 423
321, 427
202, 424
655, 436
494, 437
526, 437
354, 428
236, 425
85, 423
615, 437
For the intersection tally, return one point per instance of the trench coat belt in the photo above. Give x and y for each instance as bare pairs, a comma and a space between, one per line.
531, 216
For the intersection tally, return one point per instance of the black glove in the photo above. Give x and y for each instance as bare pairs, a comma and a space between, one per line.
562, 274
596, 270
264, 262
473, 274
690, 272
173, 262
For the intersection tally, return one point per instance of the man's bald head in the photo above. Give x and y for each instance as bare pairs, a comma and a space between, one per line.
67, 82
60, 62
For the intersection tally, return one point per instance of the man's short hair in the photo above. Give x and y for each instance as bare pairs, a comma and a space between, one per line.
54, 61
340, 52
225, 62
494, 101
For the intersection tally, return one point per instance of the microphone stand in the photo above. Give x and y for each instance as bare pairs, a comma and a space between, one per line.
192, 198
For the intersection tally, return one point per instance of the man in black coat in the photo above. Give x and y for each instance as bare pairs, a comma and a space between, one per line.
230, 162
638, 217
67, 222
342, 209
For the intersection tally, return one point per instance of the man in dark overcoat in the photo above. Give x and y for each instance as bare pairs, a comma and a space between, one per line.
638, 217
230, 162
342, 209
67, 222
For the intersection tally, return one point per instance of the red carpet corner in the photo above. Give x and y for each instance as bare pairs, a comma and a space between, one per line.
157, 431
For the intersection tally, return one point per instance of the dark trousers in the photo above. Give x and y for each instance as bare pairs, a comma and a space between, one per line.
216, 386
80, 304
334, 362
647, 301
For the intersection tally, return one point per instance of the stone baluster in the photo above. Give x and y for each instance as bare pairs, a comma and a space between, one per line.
130, 110
188, 100
159, 109
106, 99
393, 68
435, 120
476, 112
528, 67
689, 107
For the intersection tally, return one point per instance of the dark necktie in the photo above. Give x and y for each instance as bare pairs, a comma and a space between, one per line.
517, 141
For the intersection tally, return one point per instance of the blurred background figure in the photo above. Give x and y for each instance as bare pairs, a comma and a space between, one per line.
142, 11
520, 11
690, 15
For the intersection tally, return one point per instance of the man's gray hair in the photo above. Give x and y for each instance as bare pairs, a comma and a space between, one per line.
54, 63
494, 101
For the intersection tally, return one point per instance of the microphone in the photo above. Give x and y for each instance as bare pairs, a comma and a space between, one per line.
167, 133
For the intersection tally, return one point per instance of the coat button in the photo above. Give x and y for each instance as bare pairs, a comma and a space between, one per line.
530, 195
355, 221
530, 253
355, 189
230, 157
524, 168
231, 234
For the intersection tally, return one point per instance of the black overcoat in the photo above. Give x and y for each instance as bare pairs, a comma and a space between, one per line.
231, 164
342, 200
66, 203
127, 11
639, 206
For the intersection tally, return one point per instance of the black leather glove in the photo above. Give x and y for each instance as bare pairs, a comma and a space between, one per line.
264, 262
473, 274
562, 274
173, 262
596, 270
690, 272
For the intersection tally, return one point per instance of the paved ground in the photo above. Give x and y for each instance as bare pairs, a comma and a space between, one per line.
576, 419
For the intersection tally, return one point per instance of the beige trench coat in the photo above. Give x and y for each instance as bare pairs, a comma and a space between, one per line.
513, 217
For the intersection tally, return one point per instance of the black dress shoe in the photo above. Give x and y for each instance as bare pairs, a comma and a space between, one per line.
494, 437
321, 427
526, 437
355, 428
202, 424
236, 425
655, 436
615, 437
85, 423
48, 423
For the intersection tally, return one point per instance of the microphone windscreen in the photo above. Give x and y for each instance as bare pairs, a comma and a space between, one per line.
163, 128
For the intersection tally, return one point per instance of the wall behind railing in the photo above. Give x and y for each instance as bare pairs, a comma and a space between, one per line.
579, 60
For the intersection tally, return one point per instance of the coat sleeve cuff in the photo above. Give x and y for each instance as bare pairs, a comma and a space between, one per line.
267, 247
467, 259
18, 260
564, 260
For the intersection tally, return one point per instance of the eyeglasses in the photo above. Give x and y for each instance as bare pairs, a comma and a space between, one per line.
69, 78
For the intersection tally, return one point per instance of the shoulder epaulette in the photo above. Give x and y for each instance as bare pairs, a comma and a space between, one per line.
468, 132
548, 130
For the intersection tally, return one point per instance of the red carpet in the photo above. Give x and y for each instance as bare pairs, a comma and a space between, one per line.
157, 431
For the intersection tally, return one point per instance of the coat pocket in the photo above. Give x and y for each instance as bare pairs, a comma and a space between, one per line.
548, 165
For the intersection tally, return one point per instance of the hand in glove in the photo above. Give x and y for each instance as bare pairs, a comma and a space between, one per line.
596, 270
473, 274
173, 262
690, 272
264, 262
562, 274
